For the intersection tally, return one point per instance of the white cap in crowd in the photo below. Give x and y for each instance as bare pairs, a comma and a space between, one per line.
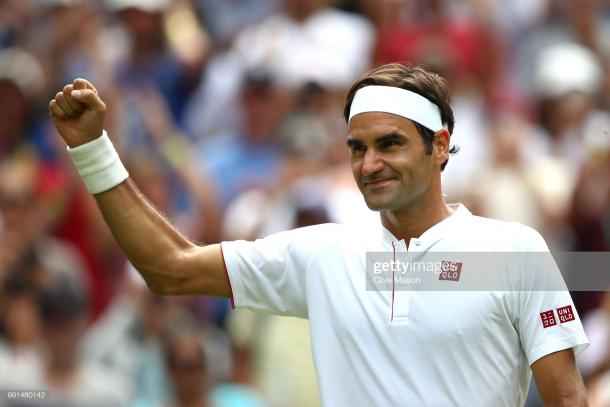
565, 68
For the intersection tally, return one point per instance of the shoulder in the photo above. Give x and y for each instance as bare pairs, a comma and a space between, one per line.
297, 246
300, 243
316, 236
503, 234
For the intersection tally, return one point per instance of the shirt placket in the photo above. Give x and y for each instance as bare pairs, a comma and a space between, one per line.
399, 312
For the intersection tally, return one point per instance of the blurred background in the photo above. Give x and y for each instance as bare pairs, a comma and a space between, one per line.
227, 114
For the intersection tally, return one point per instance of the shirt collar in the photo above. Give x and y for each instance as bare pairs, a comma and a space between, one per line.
436, 232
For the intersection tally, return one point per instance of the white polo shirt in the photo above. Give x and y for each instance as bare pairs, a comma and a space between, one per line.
415, 348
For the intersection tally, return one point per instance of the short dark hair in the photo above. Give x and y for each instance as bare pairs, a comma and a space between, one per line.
415, 79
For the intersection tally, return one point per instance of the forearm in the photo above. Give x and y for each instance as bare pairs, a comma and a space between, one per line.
169, 262
153, 246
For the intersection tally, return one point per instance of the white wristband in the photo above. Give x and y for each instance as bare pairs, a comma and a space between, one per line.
99, 164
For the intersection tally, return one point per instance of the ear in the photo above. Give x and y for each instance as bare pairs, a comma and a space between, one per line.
441, 143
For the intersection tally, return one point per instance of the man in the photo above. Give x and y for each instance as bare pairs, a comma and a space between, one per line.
370, 347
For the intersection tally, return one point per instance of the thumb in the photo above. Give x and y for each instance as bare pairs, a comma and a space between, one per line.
90, 99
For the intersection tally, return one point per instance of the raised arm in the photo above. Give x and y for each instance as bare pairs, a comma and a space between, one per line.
168, 262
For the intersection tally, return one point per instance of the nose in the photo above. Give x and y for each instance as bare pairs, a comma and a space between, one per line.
371, 163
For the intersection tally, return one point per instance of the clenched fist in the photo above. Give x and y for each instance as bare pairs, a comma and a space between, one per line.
78, 113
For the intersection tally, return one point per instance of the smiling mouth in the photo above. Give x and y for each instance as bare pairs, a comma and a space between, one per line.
379, 183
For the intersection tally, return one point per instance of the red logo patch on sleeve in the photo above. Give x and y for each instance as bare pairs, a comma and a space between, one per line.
565, 314
548, 319
450, 271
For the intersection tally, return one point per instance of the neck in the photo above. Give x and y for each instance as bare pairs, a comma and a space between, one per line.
414, 220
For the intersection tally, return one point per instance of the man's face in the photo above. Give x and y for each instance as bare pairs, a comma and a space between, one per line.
389, 161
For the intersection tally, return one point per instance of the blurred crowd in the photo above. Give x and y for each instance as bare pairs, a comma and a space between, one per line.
227, 114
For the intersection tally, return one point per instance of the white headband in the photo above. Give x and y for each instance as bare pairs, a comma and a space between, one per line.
397, 101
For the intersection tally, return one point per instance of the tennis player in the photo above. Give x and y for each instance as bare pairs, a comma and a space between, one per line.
371, 347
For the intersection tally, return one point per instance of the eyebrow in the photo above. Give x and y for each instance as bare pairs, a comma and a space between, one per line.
353, 142
393, 136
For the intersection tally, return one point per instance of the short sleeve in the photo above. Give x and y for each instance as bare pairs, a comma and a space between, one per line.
548, 320
270, 274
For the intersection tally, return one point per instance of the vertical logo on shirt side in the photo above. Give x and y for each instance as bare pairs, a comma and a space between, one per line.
548, 318
565, 314
450, 271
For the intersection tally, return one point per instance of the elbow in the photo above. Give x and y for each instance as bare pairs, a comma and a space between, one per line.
164, 283
155, 283
168, 277
155, 287
158, 278
164, 287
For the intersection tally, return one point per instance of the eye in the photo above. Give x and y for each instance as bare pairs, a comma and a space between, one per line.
357, 148
389, 143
